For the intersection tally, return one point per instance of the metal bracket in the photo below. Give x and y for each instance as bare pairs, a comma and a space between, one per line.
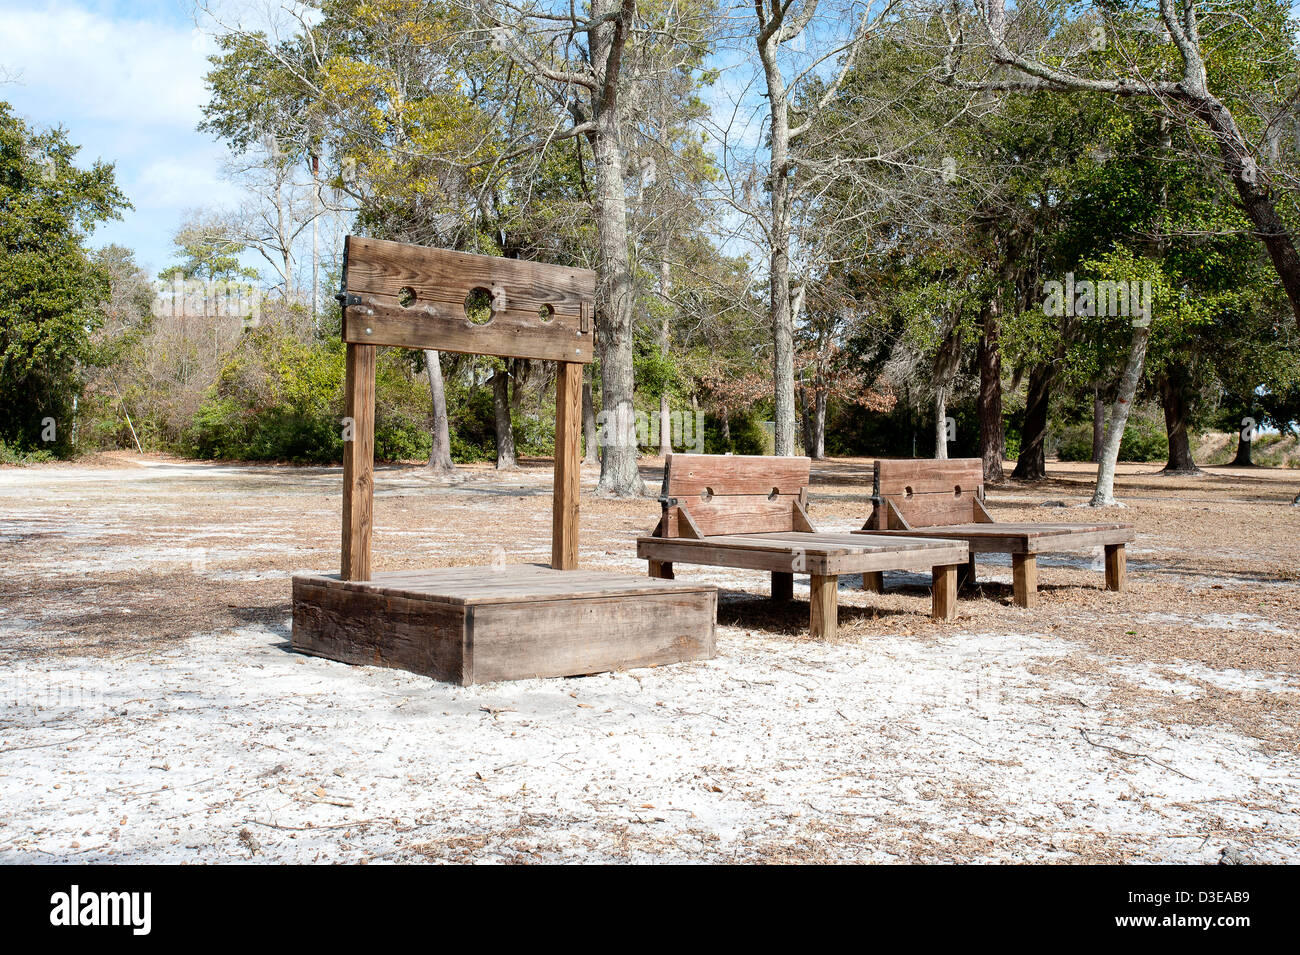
346, 299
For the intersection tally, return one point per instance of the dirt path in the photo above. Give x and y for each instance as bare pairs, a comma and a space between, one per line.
150, 709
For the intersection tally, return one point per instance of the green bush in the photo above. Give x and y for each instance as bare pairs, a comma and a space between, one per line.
17, 456
1143, 441
281, 399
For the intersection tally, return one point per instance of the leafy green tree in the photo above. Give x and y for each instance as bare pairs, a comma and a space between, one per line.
205, 251
49, 286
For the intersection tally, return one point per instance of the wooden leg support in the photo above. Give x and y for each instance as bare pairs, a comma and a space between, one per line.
966, 573
782, 586
1024, 577
663, 569
1116, 565
945, 592
824, 610
873, 582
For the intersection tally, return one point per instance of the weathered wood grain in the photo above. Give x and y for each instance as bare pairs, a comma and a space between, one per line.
455, 624
358, 461
690, 475
823, 606
538, 309
944, 597
372, 629
1116, 564
528, 639
564, 507
1024, 580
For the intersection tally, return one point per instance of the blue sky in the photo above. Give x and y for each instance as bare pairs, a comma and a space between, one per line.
125, 78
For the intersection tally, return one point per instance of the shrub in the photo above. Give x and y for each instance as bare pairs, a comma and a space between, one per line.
1143, 441
281, 399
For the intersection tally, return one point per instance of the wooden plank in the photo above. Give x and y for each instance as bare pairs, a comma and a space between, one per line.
911, 559
782, 586
823, 614
1116, 564
508, 335
944, 600
873, 582
1011, 538
684, 551
358, 461
661, 569
691, 475
568, 429
372, 629
848, 543
800, 556
927, 510
525, 640
924, 476
735, 514
414, 297
1024, 580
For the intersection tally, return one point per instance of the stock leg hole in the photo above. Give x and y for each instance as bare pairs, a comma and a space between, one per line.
478, 306
907, 492
707, 495
956, 491
546, 312
776, 492
406, 296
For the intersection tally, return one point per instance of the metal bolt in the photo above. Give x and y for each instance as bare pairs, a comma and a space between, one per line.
368, 331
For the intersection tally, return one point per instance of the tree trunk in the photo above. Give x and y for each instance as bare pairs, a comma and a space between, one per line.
1031, 465
726, 429
1173, 397
1098, 423
988, 354
1104, 495
782, 317
588, 421
817, 449
665, 331
941, 423
505, 431
619, 476
1245, 446
946, 362
440, 449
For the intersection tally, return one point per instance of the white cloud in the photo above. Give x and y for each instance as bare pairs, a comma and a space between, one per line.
137, 72
128, 86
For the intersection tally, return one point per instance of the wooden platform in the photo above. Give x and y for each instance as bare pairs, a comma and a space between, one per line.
482, 624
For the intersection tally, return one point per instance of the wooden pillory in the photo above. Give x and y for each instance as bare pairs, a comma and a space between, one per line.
485, 623
944, 500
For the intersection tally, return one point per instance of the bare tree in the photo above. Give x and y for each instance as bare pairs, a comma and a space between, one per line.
781, 24
280, 207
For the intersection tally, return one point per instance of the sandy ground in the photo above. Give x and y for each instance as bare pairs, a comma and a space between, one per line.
151, 709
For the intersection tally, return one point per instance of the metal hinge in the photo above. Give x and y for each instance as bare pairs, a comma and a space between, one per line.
346, 299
